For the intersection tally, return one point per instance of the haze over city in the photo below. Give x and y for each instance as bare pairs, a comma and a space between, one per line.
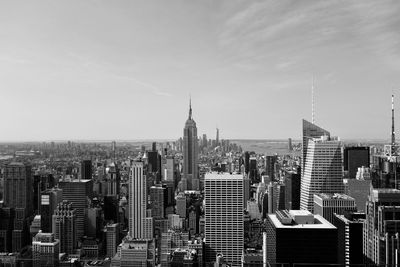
98, 70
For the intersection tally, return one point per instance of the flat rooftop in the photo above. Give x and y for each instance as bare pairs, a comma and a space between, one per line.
319, 223
326, 196
222, 176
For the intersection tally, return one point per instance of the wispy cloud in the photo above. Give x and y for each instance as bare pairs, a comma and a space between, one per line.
302, 28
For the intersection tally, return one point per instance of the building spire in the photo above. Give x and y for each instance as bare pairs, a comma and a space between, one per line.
393, 134
190, 107
312, 102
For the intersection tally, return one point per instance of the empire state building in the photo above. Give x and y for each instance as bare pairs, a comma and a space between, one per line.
190, 154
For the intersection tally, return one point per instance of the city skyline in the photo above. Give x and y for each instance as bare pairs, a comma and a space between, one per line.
120, 67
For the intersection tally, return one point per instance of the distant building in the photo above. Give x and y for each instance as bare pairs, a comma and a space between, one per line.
48, 203
134, 252
323, 170
112, 239
18, 196
138, 222
292, 189
300, 237
45, 250
224, 231
64, 226
327, 205
78, 192
253, 170
170, 241
86, 169
158, 201
181, 205
190, 151
270, 162
354, 158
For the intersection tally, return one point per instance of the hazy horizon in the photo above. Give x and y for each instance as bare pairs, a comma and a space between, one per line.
122, 70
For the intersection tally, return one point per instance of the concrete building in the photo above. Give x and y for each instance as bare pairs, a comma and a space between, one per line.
180, 201
45, 250
138, 221
134, 252
327, 205
170, 241
224, 230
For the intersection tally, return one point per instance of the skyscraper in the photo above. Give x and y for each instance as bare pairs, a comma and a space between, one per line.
64, 226
78, 192
381, 234
224, 228
86, 169
354, 158
138, 203
190, 151
18, 196
48, 203
310, 131
323, 170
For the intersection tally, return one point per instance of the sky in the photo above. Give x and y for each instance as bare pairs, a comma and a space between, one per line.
124, 70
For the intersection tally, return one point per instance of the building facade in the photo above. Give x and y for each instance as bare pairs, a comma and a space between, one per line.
224, 229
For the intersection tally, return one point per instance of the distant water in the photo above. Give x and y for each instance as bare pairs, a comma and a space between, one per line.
267, 147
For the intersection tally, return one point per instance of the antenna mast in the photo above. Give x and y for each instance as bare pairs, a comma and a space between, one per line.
312, 102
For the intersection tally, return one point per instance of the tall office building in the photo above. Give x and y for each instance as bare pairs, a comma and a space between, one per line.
180, 200
292, 189
113, 180
246, 162
297, 236
158, 201
270, 162
354, 158
86, 169
18, 196
45, 250
224, 217
217, 138
350, 238
138, 222
64, 226
48, 203
79, 192
310, 131
112, 239
190, 151
323, 170
381, 234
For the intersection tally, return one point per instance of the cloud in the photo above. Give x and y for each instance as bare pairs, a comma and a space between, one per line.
268, 30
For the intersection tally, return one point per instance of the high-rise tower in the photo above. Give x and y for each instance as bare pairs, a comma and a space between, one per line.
310, 131
323, 170
224, 217
190, 152
139, 225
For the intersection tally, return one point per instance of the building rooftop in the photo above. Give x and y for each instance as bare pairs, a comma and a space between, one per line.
318, 221
222, 176
326, 196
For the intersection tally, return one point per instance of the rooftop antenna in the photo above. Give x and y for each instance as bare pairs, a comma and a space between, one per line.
393, 134
190, 106
312, 102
